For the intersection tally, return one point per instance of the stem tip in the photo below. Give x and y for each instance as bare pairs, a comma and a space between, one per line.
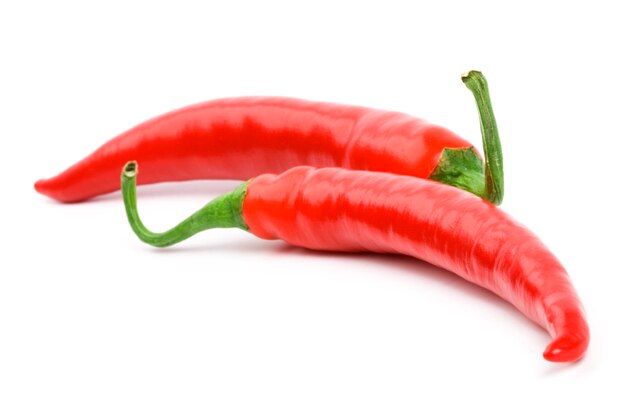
130, 169
472, 75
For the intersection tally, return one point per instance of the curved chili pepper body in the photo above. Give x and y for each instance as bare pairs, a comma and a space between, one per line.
239, 138
340, 210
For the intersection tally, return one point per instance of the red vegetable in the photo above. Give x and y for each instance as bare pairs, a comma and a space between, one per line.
341, 210
238, 138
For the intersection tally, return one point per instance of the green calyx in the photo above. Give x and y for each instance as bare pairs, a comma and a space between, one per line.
223, 212
461, 168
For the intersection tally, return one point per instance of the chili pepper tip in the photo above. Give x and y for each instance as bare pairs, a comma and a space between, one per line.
46, 188
568, 348
39, 187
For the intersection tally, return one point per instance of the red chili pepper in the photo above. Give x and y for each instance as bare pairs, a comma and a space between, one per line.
239, 138
342, 210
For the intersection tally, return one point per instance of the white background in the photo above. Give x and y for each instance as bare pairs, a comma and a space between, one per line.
95, 323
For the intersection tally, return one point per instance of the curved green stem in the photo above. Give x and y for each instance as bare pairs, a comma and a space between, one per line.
224, 211
494, 172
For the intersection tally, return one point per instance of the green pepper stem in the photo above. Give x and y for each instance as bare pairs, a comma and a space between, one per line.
494, 172
222, 212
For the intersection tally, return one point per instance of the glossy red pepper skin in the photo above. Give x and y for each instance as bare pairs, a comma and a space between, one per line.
239, 138
340, 210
